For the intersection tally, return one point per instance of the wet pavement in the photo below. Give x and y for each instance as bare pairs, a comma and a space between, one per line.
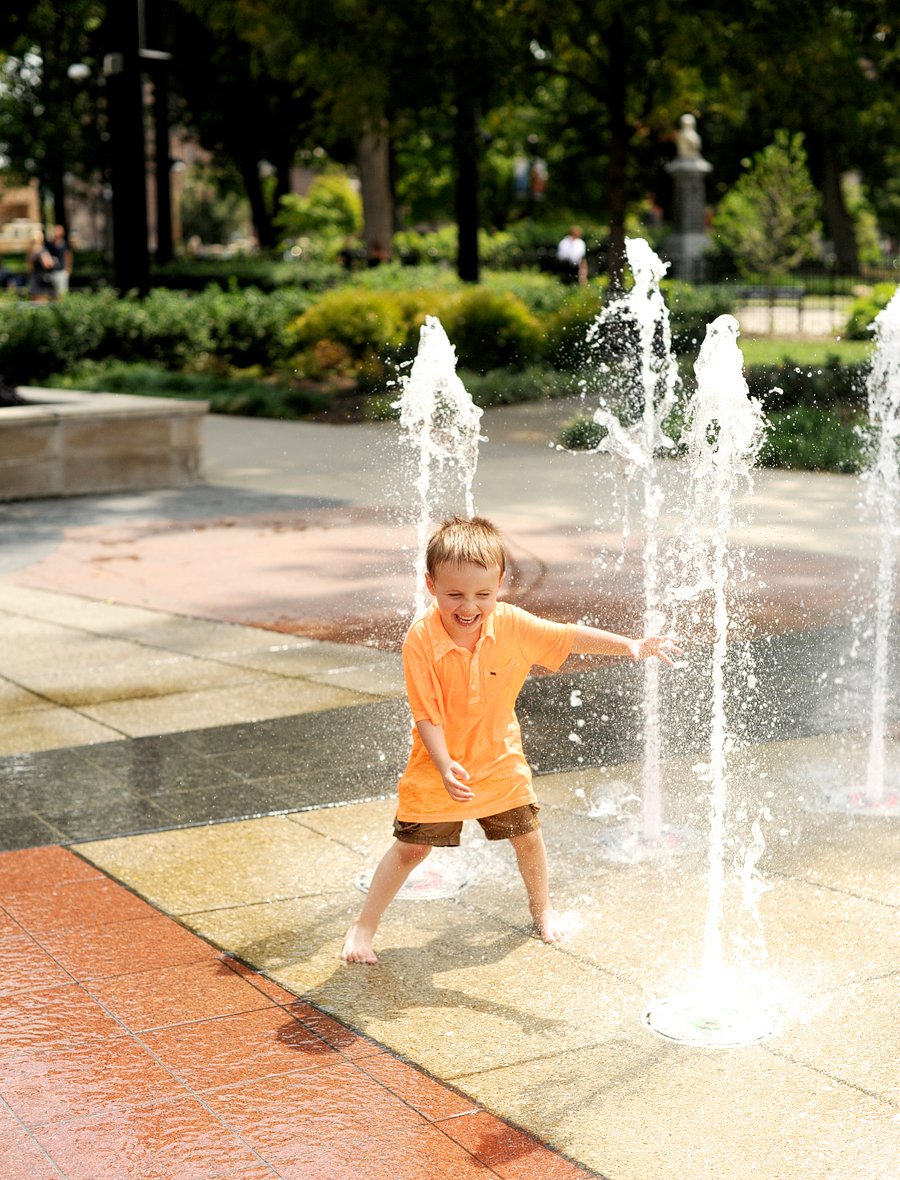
222, 785
129, 1047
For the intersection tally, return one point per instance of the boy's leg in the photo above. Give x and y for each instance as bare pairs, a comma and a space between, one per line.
393, 869
532, 857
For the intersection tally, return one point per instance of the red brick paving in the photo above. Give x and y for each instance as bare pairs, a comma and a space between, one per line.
341, 573
130, 1049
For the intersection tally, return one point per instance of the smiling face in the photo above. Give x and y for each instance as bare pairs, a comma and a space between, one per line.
465, 595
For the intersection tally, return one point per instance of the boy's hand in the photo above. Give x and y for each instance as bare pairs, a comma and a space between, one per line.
663, 646
456, 789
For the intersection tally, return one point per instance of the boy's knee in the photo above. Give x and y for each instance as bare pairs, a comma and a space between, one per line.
412, 853
528, 840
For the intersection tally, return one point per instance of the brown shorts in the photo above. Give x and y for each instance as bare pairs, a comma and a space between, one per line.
515, 822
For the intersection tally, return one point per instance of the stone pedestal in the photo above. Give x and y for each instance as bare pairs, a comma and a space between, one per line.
686, 246
69, 443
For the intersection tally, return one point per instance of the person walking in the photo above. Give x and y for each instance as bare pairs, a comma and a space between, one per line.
61, 252
571, 253
40, 269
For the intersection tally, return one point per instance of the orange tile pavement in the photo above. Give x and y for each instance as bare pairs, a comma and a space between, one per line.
130, 1049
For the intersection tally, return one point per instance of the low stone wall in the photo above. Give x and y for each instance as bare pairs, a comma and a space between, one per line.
68, 443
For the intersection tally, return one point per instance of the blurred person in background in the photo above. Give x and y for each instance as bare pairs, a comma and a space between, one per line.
571, 255
40, 269
61, 252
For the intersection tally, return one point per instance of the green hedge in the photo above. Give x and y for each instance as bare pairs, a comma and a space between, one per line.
781, 387
355, 329
168, 328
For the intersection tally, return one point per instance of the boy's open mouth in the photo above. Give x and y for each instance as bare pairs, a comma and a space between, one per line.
465, 621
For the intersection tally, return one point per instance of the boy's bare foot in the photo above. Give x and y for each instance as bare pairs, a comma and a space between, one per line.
553, 927
358, 946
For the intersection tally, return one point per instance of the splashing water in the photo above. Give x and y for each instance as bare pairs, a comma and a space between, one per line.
723, 435
883, 502
441, 422
634, 437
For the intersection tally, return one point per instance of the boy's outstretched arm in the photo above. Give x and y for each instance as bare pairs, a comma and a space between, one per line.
591, 641
451, 772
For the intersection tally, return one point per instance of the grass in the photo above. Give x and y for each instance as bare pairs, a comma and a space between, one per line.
768, 351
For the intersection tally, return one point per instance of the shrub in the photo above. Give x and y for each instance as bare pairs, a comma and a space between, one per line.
359, 320
808, 438
500, 387
491, 329
565, 340
865, 309
781, 387
691, 309
170, 328
240, 394
581, 434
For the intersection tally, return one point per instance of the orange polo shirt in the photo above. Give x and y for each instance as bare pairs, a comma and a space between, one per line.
472, 694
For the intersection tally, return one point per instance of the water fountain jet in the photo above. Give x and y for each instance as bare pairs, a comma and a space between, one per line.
440, 422
880, 793
635, 436
723, 435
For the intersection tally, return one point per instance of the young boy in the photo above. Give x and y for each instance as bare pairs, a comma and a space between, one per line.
465, 661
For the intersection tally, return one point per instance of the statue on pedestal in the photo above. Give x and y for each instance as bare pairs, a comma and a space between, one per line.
686, 246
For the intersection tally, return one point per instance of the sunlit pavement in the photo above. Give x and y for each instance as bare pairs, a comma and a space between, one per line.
131, 1047
140, 731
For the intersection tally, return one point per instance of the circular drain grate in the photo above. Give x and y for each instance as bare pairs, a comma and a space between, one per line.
694, 1020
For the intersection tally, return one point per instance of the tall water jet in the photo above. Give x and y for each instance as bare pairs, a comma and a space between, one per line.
723, 434
883, 502
441, 423
644, 387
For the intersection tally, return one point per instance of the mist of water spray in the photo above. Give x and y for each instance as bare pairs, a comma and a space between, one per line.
723, 434
441, 423
644, 392
883, 503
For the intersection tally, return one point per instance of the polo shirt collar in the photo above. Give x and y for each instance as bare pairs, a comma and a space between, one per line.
441, 642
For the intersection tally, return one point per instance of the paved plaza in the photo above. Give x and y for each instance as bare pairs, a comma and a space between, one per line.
203, 704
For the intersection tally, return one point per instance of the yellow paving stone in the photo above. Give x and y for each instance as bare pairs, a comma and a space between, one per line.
223, 865
457, 990
48, 727
638, 1108
14, 699
852, 1033
256, 700
301, 936
365, 827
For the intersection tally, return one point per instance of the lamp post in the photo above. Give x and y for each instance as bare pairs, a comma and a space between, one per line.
125, 112
155, 61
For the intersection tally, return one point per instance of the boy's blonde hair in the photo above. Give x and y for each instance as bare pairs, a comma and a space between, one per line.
460, 540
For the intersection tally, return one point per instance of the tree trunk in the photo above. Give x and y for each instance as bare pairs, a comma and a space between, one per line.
378, 203
467, 186
618, 155
58, 185
163, 168
262, 221
837, 220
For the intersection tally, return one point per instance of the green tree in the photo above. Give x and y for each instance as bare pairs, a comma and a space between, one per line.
229, 99
629, 70
769, 219
832, 72
50, 124
331, 208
